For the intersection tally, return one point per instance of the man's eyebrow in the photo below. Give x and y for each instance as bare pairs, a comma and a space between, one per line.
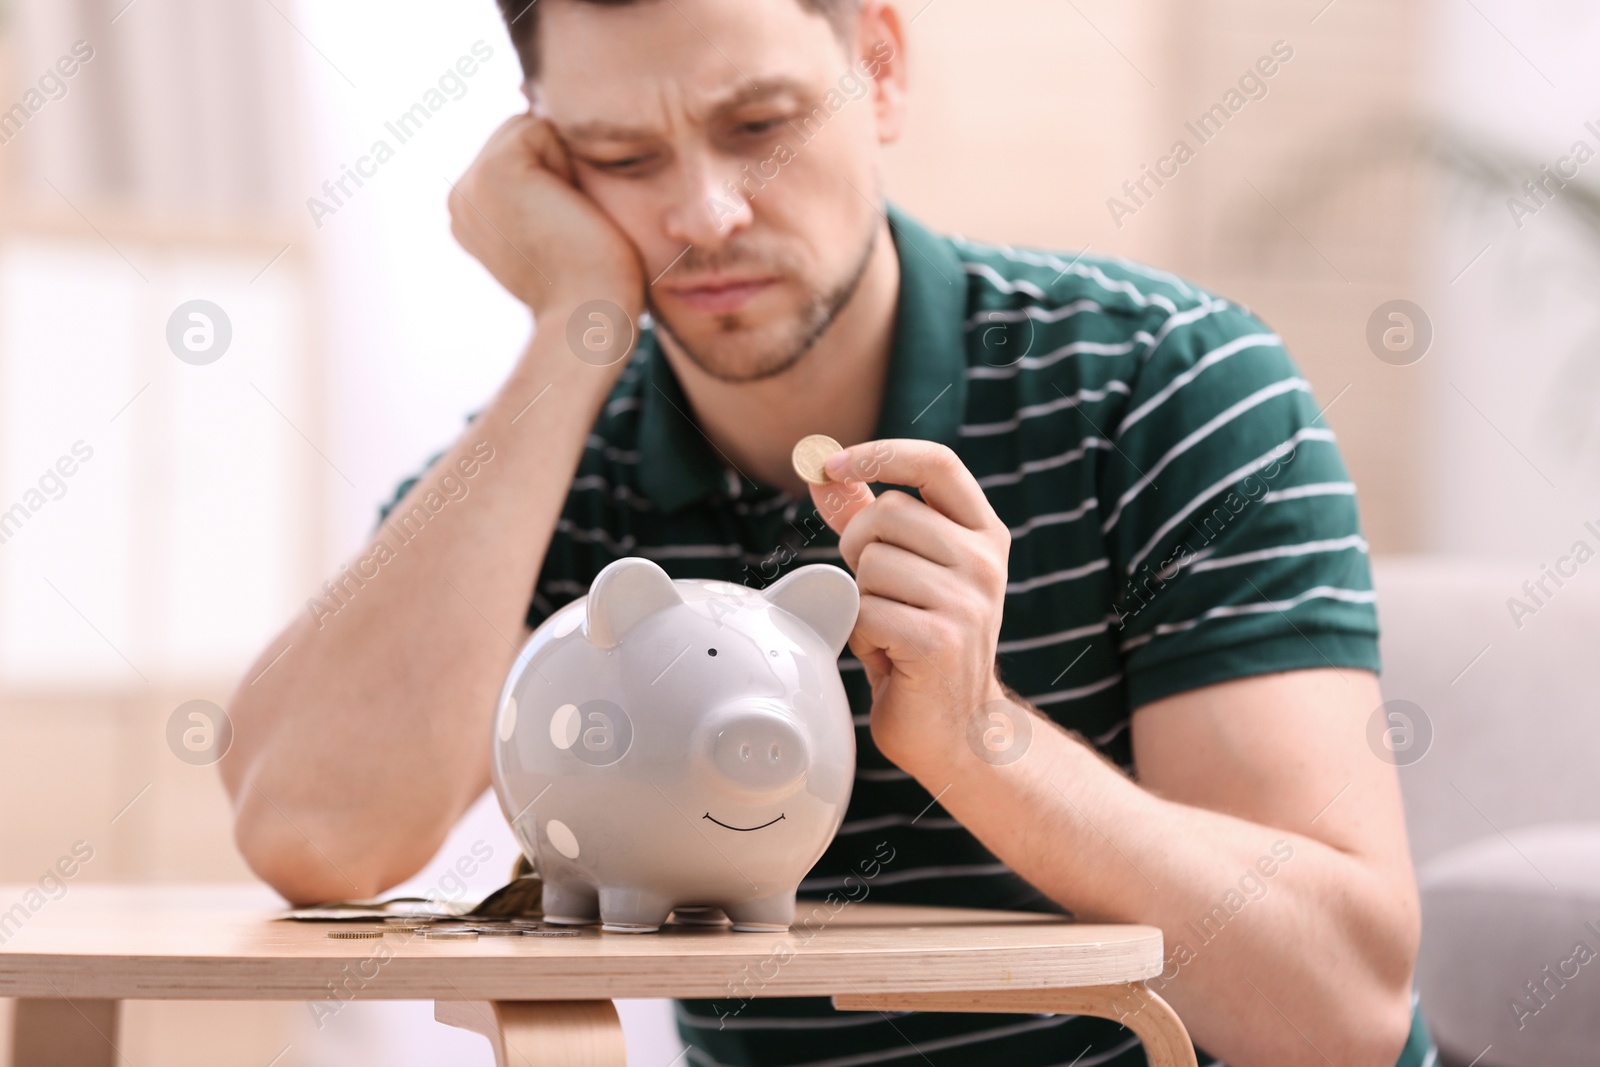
600, 130
749, 93
761, 89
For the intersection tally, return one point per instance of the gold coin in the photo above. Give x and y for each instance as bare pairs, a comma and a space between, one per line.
810, 454
450, 935
354, 935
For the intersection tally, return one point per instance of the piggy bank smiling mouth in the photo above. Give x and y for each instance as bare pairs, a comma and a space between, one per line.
743, 829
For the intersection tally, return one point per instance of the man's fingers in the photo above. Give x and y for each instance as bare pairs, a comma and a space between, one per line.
525, 143
548, 149
927, 466
875, 660
900, 630
901, 519
891, 572
839, 502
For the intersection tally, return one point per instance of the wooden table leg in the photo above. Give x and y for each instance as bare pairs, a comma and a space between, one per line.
541, 1033
1166, 1041
64, 1033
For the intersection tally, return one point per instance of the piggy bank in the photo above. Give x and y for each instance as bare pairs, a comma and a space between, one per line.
680, 746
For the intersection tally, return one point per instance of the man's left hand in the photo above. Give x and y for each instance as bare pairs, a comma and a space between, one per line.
932, 575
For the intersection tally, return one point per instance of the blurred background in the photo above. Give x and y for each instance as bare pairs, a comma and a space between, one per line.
1384, 161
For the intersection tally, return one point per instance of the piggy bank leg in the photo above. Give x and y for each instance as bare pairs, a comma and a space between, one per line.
570, 904
698, 915
625, 910
766, 915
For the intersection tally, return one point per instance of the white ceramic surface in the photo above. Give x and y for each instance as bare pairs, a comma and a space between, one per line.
683, 745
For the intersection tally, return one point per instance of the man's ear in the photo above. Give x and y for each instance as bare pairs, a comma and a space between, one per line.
881, 54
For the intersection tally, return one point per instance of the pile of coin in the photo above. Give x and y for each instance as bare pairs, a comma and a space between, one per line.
457, 929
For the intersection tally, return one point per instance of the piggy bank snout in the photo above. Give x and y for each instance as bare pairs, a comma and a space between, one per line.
760, 751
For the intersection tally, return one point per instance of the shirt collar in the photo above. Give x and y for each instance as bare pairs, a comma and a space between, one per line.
924, 395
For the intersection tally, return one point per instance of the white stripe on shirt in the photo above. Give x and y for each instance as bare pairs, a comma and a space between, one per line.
1304, 548
1063, 695
1027, 585
1036, 312
1078, 269
1024, 644
1211, 358
610, 451
731, 1021
879, 822
1030, 411
1271, 455
1054, 518
1211, 426
881, 774
1009, 370
910, 874
1208, 307
1034, 466
620, 493
1320, 592
1295, 492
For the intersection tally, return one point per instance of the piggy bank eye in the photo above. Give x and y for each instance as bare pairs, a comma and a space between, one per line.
711, 652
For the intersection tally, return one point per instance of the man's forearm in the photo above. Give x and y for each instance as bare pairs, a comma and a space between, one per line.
1307, 962
362, 732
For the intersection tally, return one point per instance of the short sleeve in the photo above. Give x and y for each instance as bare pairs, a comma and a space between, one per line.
1229, 517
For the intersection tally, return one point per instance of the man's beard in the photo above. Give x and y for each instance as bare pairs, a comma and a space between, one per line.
737, 361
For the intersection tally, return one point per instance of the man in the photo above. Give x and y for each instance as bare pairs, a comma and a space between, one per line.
1116, 652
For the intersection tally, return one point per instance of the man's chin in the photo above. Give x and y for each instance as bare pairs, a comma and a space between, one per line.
735, 349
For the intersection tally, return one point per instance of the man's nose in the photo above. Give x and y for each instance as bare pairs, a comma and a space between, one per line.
711, 207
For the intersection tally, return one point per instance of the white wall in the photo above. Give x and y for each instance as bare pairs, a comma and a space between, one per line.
1519, 332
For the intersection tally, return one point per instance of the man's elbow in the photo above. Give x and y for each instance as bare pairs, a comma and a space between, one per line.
1387, 1031
287, 860
1387, 1026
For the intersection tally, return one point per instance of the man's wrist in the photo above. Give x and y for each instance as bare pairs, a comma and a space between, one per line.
996, 731
582, 334
573, 296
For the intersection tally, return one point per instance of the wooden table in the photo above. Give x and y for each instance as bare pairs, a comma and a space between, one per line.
547, 1001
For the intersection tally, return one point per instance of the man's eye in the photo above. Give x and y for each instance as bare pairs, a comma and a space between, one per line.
759, 128
629, 163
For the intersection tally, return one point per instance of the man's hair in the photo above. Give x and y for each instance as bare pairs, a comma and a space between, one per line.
522, 20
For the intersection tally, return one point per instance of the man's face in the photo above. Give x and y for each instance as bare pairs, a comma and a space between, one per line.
735, 143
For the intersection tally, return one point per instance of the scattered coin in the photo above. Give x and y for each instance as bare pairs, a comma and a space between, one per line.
450, 935
354, 935
549, 933
523, 896
810, 454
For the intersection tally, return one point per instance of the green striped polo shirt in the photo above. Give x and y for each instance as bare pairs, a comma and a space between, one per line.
1179, 514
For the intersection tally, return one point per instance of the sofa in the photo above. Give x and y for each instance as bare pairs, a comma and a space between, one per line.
1494, 670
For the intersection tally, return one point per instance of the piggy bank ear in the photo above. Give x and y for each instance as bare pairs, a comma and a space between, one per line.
824, 597
622, 594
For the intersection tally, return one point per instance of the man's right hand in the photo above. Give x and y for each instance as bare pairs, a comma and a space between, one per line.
518, 211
